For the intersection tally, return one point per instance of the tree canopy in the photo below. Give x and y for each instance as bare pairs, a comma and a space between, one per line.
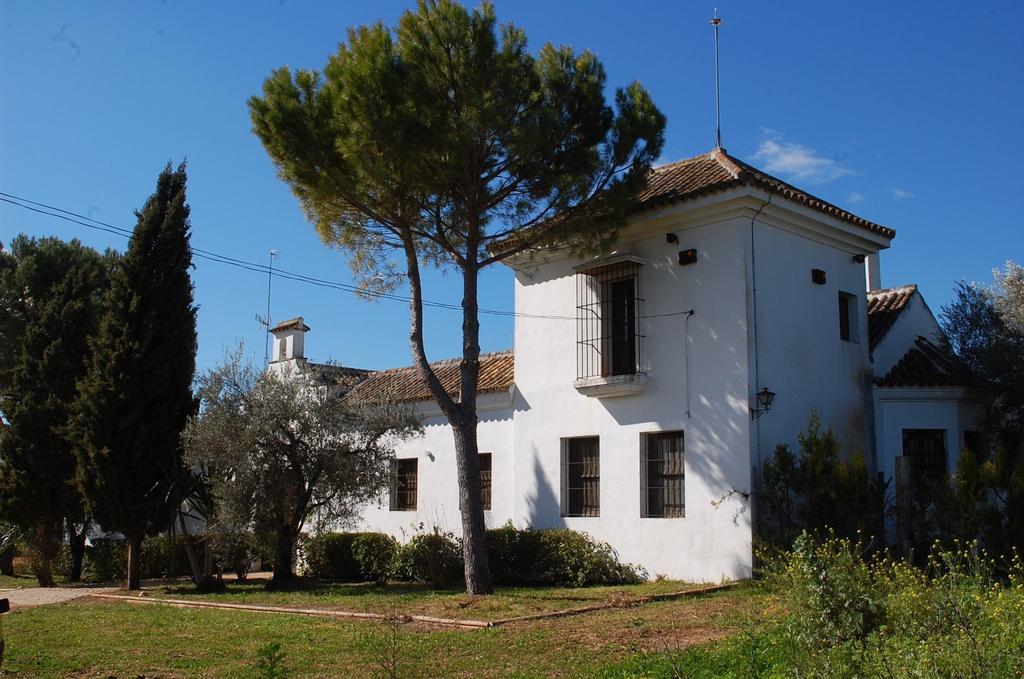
281, 451
52, 295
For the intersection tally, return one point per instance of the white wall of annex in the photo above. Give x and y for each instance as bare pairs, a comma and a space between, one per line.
706, 375
921, 408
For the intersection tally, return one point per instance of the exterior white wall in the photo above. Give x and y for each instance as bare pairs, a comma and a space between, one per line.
916, 320
921, 408
713, 541
437, 502
799, 354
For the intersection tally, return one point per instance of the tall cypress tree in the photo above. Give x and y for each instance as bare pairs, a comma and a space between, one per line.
137, 397
51, 294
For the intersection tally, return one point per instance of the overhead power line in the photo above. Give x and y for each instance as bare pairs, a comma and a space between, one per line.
256, 267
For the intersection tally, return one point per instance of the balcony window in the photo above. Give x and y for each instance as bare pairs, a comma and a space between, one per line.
609, 338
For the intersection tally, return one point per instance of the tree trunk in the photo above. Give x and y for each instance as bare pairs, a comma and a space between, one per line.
202, 573
284, 556
7, 561
462, 415
474, 530
76, 544
134, 579
46, 548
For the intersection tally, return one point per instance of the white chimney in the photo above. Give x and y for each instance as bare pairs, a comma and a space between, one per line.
289, 338
873, 272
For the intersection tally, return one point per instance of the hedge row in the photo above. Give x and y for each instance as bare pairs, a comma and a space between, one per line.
556, 557
106, 559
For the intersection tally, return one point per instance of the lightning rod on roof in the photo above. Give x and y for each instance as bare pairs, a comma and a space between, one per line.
266, 321
716, 22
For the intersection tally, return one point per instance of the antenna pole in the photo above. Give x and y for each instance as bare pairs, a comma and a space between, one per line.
716, 22
270, 282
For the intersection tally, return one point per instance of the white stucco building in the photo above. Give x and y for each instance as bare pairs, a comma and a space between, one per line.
628, 407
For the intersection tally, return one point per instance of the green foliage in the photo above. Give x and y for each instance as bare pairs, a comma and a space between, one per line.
816, 491
851, 616
555, 557
270, 662
105, 560
983, 328
136, 397
329, 557
447, 130
51, 299
281, 450
374, 553
434, 558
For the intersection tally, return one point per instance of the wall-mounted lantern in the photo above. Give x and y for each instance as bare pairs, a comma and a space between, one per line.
765, 399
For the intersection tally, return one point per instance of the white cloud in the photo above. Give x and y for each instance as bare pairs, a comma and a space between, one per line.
901, 194
855, 198
796, 160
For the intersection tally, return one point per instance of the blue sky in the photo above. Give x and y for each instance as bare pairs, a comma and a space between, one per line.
908, 114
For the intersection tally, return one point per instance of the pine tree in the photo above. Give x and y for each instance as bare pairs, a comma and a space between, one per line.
136, 399
445, 142
52, 295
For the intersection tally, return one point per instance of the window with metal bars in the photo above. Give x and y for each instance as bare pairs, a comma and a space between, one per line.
581, 477
608, 332
485, 479
926, 449
404, 484
662, 475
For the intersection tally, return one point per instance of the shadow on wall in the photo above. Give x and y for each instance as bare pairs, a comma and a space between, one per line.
545, 511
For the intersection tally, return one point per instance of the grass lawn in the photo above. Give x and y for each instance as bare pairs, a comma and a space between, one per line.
15, 581
415, 599
103, 638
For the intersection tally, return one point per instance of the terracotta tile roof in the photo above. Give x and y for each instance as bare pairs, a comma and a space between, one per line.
884, 307
497, 373
925, 365
336, 375
296, 322
717, 171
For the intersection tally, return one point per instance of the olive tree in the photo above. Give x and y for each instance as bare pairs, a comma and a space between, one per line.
281, 450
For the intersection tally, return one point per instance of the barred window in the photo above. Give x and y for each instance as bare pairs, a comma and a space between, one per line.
485, 479
608, 334
403, 484
926, 449
662, 475
581, 477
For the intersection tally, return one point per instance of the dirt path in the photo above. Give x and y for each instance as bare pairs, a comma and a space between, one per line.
25, 597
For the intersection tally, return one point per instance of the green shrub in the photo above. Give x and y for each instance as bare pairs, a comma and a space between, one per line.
508, 555
851, 616
164, 556
106, 560
374, 554
329, 557
815, 490
235, 551
434, 558
566, 558
554, 557
832, 592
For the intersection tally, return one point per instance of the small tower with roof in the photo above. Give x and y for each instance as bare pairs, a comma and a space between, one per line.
289, 340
